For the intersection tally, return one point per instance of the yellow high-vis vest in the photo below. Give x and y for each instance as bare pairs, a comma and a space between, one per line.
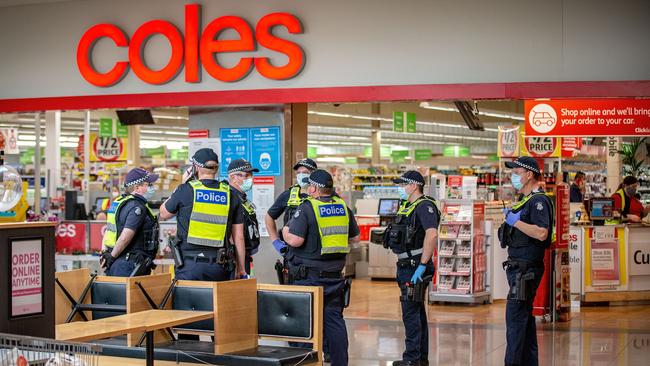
110, 235
294, 197
209, 218
333, 223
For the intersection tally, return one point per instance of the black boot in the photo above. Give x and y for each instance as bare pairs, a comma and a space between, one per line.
406, 363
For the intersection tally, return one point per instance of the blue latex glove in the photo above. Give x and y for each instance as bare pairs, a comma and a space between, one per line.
418, 274
244, 276
279, 246
512, 218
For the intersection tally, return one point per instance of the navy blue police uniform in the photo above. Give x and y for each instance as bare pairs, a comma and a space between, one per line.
251, 228
283, 203
135, 215
524, 271
201, 263
405, 237
308, 267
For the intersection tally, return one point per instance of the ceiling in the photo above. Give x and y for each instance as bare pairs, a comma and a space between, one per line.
346, 127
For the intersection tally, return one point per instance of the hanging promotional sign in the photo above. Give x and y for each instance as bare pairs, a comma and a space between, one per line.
508, 141
588, 117
571, 146
107, 149
9, 141
540, 147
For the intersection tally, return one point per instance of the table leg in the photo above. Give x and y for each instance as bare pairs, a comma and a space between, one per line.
149, 348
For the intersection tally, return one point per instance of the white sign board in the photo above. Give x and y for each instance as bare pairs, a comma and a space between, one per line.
639, 259
26, 277
212, 143
575, 258
263, 198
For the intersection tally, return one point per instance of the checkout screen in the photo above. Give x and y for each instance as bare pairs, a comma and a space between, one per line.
388, 207
601, 209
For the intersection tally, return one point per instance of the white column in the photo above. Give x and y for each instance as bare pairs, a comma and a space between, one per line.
53, 151
613, 164
86, 160
37, 163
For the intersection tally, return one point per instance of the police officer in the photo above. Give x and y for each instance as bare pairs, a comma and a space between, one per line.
240, 176
527, 232
288, 201
208, 214
318, 235
131, 236
413, 238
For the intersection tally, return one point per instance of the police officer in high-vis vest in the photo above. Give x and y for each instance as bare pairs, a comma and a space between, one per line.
208, 214
318, 236
413, 238
240, 177
288, 201
131, 236
527, 233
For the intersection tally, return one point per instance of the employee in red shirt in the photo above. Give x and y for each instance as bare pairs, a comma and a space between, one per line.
625, 202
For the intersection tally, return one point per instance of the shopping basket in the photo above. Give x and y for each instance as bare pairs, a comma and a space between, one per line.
17, 350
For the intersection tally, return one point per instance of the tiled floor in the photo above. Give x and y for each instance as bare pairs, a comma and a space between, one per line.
475, 335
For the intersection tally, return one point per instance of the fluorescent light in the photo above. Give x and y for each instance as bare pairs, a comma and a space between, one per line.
158, 116
488, 113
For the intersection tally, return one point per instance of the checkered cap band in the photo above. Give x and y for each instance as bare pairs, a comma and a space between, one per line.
526, 166
306, 164
192, 160
314, 183
411, 181
241, 168
137, 181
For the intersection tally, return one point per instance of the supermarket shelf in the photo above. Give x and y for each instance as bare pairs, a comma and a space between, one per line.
476, 298
455, 255
373, 184
443, 273
376, 175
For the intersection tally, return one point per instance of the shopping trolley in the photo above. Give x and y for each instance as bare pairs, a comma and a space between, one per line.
17, 350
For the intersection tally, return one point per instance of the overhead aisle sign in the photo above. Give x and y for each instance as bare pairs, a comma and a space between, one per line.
588, 117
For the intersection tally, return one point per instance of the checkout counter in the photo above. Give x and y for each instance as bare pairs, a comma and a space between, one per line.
609, 263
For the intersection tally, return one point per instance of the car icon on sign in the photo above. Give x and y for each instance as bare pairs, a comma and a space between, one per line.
543, 118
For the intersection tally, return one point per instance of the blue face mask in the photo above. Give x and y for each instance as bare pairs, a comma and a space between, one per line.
247, 185
150, 191
402, 193
516, 181
300, 177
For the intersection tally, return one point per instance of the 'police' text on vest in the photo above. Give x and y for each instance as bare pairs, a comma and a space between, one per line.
331, 210
218, 198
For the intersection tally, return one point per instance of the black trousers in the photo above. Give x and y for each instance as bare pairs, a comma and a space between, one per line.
521, 331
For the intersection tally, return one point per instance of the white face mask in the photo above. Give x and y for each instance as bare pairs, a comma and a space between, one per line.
149, 194
247, 185
300, 177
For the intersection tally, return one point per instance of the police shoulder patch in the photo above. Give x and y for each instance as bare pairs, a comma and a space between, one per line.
296, 214
430, 209
138, 211
540, 206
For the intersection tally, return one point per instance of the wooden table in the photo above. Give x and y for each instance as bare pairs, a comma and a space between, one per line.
145, 321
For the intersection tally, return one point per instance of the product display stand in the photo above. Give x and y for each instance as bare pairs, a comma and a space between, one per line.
461, 261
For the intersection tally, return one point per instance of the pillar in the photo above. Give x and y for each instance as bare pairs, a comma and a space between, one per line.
133, 146
53, 151
37, 163
376, 136
295, 138
614, 163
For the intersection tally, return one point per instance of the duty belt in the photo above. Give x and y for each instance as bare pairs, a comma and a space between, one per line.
410, 253
302, 272
221, 258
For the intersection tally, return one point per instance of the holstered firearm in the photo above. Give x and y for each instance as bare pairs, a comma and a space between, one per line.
415, 293
282, 271
174, 243
347, 292
143, 266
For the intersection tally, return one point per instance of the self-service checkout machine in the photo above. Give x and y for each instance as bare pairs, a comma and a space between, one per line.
382, 260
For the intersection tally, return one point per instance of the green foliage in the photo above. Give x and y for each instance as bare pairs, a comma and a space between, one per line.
630, 152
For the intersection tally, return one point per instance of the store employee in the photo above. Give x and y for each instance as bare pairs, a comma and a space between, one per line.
625, 202
208, 213
527, 233
413, 238
288, 201
318, 235
131, 237
240, 177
